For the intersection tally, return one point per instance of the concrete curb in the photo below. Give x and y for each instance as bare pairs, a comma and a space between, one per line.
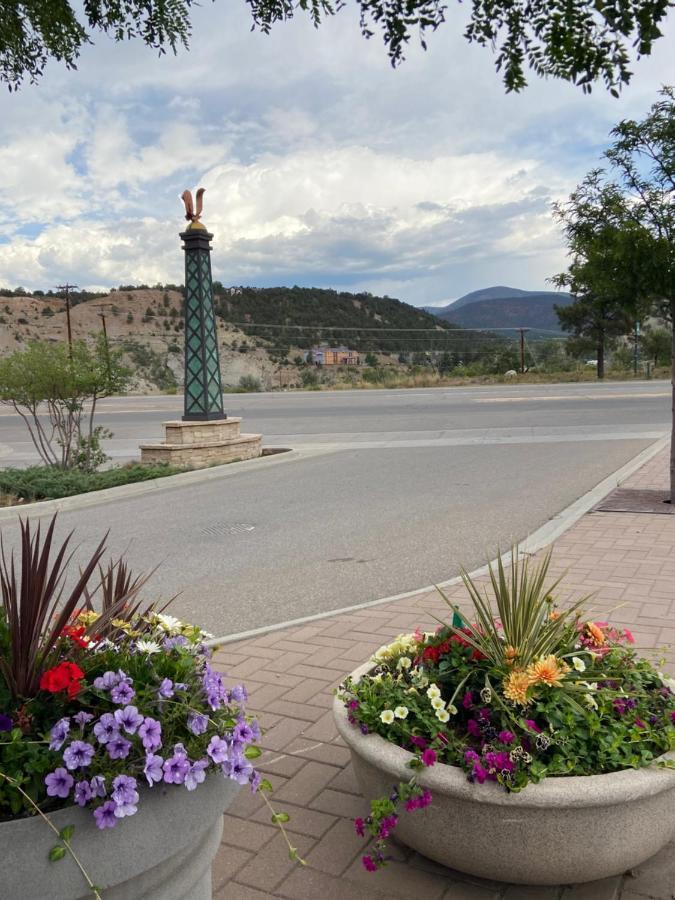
171, 482
540, 538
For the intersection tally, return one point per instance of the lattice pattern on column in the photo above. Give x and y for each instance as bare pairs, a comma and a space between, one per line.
203, 390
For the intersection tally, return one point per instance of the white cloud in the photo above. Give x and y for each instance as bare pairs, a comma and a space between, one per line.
322, 164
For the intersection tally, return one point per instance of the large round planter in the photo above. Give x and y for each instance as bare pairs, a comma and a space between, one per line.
164, 852
561, 831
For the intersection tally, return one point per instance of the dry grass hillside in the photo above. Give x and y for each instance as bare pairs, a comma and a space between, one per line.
148, 324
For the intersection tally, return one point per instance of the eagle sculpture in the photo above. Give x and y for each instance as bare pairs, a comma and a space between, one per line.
192, 214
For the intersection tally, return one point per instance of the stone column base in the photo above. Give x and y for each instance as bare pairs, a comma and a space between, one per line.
201, 444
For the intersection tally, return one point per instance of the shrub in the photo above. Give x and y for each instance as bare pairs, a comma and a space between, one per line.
250, 383
48, 483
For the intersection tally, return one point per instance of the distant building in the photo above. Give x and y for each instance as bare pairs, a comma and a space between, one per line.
333, 356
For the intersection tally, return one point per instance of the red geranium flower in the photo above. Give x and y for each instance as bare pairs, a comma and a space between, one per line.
66, 676
76, 635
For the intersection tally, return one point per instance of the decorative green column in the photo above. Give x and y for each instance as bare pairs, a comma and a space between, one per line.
203, 389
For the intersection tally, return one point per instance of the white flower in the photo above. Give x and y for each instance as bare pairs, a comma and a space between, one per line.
578, 664
404, 663
433, 691
377, 679
589, 699
401, 712
387, 716
437, 703
148, 647
452, 709
169, 623
590, 685
442, 715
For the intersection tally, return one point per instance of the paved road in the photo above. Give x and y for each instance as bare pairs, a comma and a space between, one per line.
393, 490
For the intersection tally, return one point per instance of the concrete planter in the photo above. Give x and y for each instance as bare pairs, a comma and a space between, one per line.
562, 831
164, 852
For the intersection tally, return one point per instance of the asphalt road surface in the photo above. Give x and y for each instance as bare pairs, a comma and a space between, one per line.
393, 490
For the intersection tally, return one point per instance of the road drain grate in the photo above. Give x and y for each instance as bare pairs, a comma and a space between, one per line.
631, 500
217, 529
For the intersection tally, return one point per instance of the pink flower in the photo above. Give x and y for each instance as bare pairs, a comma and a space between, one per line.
628, 635
506, 737
429, 757
533, 726
360, 827
467, 700
472, 728
368, 863
418, 742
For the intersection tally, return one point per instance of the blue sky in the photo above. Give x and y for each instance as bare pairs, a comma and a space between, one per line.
323, 165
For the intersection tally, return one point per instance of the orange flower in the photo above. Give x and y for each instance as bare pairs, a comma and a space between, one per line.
515, 687
547, 670
554, 615
510, 655
595, 633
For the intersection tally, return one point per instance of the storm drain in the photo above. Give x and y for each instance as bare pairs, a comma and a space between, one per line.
218, 529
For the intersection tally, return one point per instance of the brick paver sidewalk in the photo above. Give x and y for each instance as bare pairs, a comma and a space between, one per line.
629, 560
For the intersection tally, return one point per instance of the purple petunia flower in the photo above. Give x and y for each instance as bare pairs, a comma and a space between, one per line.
106, 729
506, 737
196, 774
238, 768
239, 693
150, 733
6, 723
97, 785
129, 719
428, 757
165, 690
118, 748
59, 733
467, 700
78, 755
153, 770
124, 796
214, 688
107, 681
218, 749
178, 641
197, 723
82, 718
105, 815
176, 768
256, 778
122, 694
243, 732
83, 793
59, 782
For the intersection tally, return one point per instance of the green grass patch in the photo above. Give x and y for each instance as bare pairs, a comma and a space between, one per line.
48, 483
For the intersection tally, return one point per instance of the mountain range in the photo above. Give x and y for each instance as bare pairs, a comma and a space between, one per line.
502, 307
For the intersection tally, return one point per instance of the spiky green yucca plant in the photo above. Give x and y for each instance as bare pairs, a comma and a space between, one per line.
523, 619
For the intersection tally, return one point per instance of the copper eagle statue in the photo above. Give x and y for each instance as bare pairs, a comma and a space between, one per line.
192, 213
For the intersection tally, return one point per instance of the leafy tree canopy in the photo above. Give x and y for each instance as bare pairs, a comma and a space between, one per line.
582, 41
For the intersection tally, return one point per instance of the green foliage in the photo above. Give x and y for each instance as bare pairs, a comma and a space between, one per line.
250, 383
47, 311
309, 378
49, 483
523, 607
130, 317
656, 344
580, 42
68, 384
150, 364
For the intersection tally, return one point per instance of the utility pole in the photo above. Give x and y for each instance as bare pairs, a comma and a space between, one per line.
636, 348
522, 349
68, 288
105, 343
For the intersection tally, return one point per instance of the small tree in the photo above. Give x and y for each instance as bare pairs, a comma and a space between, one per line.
43, 378
656, 344
371, 359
